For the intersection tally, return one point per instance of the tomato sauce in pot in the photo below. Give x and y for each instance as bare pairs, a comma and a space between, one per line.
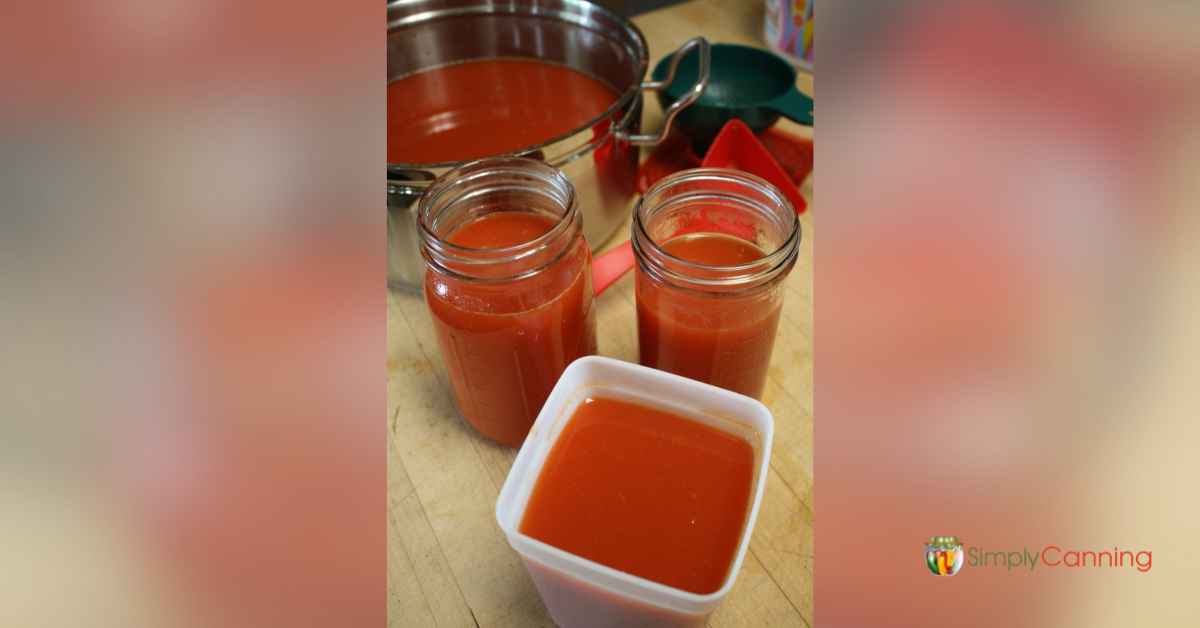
488, 107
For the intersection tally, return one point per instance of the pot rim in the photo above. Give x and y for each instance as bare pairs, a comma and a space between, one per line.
483, 7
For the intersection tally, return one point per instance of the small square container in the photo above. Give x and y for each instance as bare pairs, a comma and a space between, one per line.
582, 593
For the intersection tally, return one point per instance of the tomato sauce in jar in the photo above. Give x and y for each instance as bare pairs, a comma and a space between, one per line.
644, 491
713, 247
488, 107
508, 285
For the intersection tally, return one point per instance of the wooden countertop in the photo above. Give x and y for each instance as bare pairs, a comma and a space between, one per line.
448, 562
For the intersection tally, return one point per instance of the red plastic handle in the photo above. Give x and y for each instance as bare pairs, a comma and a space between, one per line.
610, 265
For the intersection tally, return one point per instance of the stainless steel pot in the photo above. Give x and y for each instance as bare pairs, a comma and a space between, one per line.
600, 157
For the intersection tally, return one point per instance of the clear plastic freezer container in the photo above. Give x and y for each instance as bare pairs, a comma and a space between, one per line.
582, 593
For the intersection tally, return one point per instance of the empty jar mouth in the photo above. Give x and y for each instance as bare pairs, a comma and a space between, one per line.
717, 201
497, 184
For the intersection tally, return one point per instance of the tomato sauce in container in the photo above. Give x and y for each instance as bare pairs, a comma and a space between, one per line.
713, 247
633, 499
508, 285
644, 491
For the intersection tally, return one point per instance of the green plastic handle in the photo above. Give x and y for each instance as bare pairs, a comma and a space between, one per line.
794, 105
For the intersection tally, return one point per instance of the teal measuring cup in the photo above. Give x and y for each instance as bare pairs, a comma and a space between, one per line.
744, 82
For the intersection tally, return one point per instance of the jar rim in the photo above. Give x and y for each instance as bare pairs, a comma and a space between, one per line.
752, 272
439, 251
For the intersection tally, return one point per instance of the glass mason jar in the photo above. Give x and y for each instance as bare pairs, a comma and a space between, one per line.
508, 284
713, 247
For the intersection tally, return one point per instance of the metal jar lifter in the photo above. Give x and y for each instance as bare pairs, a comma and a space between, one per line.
600, 157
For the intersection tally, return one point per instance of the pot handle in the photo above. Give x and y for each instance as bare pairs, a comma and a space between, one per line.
650, 139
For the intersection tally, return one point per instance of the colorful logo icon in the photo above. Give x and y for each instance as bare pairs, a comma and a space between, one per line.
944, 555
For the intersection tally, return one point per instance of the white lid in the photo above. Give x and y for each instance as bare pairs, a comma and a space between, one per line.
599, 376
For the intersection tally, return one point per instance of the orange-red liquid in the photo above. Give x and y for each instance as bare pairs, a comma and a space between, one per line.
506, 344
723, 339
713, 249
644, 491
488, 107
501, 229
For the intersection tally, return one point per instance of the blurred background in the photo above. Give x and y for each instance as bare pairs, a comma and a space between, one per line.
193, 279
1004, 343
